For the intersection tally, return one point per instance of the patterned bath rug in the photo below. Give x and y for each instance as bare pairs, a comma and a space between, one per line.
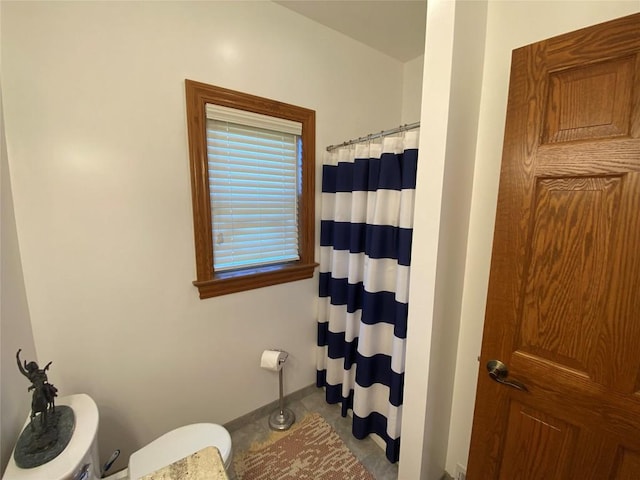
310, 450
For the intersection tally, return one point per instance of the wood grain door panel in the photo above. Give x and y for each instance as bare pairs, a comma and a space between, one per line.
563, 308
585, 102
538, 443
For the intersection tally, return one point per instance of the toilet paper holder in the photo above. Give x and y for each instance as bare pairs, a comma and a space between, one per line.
283, 356
282, 418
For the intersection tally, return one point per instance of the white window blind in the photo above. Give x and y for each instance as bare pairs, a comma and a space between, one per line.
254, 181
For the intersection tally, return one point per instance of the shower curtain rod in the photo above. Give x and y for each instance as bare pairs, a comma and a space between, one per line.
371, 136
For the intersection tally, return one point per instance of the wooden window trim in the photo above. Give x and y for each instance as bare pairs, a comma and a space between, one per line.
209, 282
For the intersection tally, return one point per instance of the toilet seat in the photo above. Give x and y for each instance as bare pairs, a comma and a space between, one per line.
177, 444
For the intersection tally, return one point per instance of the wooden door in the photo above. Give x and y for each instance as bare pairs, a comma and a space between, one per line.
563, 308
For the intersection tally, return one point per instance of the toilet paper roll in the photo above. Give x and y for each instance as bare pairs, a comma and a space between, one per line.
273, 360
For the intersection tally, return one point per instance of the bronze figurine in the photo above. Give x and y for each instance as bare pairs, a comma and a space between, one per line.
44, 393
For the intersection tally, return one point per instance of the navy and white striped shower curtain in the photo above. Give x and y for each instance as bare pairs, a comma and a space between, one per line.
365, 251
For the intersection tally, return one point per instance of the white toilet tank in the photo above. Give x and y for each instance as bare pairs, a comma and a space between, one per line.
81, 453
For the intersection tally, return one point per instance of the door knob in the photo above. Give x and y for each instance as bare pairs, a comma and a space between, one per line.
499, 372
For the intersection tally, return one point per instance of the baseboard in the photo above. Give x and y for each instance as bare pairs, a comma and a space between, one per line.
268, 408
446, 476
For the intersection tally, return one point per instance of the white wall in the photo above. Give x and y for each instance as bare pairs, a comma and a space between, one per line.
15, 325
94, 106
412, 90
450, 105
510, 25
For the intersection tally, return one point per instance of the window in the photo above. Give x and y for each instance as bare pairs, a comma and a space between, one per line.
252, 177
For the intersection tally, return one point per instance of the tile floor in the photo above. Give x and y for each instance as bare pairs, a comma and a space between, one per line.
255, 428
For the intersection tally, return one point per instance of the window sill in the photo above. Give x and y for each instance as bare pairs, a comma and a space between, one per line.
248, 279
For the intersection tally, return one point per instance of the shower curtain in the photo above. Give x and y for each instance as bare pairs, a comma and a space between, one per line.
365, 252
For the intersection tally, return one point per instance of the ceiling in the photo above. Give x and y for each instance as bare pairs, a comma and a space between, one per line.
394, 27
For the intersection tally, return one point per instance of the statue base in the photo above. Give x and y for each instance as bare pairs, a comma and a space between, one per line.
40, 442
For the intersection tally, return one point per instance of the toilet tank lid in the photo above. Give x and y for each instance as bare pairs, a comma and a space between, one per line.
178, 444
66, 464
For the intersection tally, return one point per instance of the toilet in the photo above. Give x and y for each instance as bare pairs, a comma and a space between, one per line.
81, 454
